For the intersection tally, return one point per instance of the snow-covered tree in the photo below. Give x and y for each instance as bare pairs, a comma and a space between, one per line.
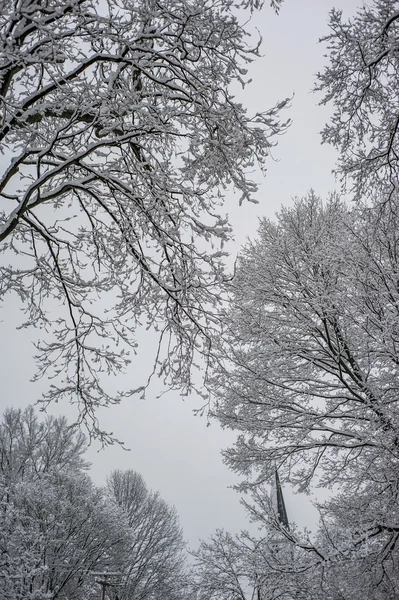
313, 328
276, 563
153, 564
310, 379
361, 81
347, 558
57, 527
120, 135
223, 568
358, 537
55, 530
309, 368
30, 447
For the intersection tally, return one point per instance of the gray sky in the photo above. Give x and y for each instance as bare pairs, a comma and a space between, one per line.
176, 452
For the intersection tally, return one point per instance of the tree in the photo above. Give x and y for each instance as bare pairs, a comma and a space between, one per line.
276, 563
55, 526
336, 563
308, 371
30, 448
223, 570
120, 137
311, 370
347, 558
55, 530
313, 343
358, 539
153, 564
360, 81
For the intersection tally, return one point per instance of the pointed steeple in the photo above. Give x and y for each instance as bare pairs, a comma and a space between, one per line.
281, 510
277, 500
279, 541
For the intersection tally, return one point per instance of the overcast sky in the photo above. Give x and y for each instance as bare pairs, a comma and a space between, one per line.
176, 452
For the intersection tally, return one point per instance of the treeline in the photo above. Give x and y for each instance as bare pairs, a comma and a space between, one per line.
58, 531
57, 527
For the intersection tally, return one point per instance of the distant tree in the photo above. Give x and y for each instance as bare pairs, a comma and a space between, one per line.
55, 526
119, 137
272, 564
223, 568
361, 81
30, 447
153, 564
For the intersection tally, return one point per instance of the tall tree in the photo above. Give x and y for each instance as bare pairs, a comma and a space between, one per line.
311, 377
119, 138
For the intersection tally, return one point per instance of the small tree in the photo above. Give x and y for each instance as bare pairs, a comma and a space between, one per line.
120, 137
255, 567
30, 448
223, 570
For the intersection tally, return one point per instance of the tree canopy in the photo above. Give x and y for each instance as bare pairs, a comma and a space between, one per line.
121, 139
120, 136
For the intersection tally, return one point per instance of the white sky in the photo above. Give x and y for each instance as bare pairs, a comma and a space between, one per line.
175, 451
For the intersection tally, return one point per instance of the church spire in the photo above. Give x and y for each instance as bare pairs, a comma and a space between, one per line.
281, 510
278, 503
